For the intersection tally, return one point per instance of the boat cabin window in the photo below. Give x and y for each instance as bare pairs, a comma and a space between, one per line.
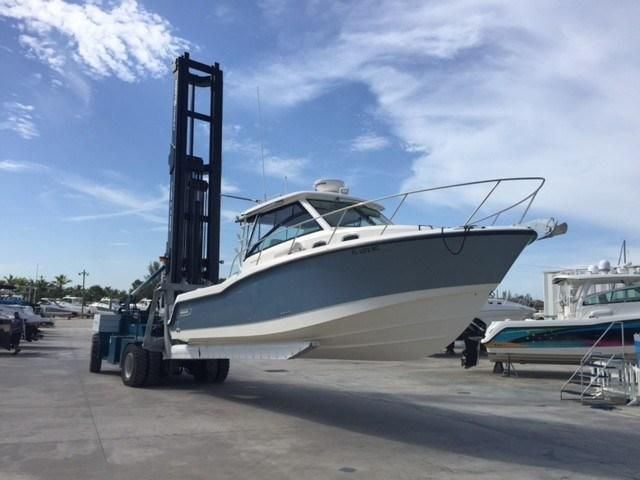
631, 294
362, 216
277, 226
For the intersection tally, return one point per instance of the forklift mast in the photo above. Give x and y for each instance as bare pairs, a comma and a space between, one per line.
195, 166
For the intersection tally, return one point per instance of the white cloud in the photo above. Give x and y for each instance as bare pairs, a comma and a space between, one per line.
369, 143
118, 244
276, 166
116, 39
488, 89
129, 204
13, 166
280, 167
18, 118
227, 187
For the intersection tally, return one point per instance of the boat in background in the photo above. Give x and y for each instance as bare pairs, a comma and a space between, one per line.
25, 313
52, 308
105, 305
143, 304
497, 309
328, 275
580, 307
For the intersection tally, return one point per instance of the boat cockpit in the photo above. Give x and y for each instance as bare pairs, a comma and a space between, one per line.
583, 295
303, 220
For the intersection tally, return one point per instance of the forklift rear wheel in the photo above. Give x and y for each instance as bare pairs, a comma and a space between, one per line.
198, 368
135, 366
96, 355
218, 370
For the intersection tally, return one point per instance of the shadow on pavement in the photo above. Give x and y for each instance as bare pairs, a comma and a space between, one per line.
496, 437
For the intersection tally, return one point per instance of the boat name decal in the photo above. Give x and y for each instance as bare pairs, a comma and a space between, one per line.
363, 250
184, 312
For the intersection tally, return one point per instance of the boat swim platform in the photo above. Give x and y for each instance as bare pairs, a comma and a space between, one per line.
312, 419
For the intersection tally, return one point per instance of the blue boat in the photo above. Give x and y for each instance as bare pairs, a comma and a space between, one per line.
601, 307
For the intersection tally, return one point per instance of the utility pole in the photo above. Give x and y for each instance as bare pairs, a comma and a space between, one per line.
35, 285
84, 274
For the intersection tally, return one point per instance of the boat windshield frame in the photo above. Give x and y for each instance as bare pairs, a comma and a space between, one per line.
253, 247
362, 213
609, 296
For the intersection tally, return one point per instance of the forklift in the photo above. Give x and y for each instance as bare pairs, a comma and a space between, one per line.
137, 340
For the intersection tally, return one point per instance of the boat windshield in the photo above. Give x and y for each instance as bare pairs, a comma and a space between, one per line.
622, 295
362, 216
280, 225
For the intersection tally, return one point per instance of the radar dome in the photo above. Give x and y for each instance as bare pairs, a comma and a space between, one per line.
330, 185
604, 265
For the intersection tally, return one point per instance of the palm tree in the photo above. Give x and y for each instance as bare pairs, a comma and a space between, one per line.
60, 281
135, 284
153, 267
9, 279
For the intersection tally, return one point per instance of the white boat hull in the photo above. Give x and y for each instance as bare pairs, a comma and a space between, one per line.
393, 327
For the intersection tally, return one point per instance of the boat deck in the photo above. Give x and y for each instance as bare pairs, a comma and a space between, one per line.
301, 419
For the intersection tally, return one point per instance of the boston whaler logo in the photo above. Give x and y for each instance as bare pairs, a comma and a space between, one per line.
363, 250
184, 312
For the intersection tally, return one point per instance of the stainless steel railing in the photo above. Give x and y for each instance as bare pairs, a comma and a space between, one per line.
586, 358
527, 201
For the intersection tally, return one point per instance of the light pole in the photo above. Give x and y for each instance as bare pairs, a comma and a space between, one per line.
84, 274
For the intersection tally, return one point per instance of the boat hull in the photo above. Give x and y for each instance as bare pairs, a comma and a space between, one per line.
559, 341
387, 300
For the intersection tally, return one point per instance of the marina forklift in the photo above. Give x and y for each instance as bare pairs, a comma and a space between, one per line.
138, 340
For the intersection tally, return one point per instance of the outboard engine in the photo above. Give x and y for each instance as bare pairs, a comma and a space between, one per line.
472, 336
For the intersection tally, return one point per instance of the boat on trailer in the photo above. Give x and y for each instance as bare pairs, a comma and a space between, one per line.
322, 274
583, 306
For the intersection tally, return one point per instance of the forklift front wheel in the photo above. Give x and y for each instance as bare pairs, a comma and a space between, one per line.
135, 366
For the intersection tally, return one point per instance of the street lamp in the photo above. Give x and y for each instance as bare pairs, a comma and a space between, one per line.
84, 274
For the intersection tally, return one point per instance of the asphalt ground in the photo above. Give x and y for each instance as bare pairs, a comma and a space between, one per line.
301, 419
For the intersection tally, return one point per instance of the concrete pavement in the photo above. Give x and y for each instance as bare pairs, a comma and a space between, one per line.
300, 419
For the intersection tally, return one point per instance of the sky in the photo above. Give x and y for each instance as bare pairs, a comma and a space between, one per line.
386, 95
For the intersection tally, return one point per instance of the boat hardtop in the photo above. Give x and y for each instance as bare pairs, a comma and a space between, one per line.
302, 195
587, 278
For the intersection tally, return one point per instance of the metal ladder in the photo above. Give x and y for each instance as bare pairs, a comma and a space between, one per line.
603, 379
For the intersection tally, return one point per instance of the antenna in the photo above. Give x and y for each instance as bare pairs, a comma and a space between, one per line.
286, 187
623, 253
264, 181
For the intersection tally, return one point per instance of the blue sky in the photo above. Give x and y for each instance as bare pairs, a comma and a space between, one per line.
389, 96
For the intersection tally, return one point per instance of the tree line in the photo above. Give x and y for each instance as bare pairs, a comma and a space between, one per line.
59, 287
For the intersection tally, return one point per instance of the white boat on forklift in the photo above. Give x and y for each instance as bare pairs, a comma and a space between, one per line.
321, 274
329, 276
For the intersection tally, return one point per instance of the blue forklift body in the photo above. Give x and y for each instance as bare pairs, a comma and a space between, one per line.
118, 331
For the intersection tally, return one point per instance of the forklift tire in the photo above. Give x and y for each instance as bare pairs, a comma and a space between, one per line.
95, 362
155, 373
221, 371
198, 369
134, 366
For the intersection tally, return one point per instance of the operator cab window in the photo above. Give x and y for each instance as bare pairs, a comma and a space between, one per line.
277, 226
